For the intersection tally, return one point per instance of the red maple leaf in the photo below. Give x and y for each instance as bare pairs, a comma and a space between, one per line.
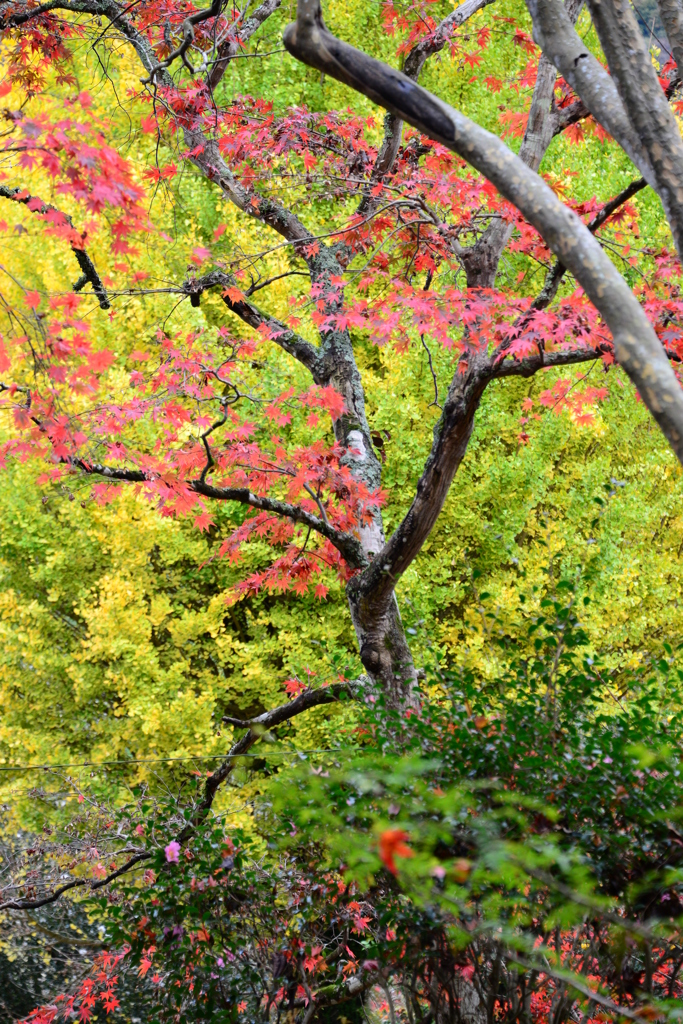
392, 843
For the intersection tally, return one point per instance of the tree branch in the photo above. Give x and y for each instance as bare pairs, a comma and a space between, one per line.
279, 333
414, 62
441, 35
268, 720
558, 270
563, 117
77, 883
481, 261
672, 19
532, 364
373, 589
15, 20
206, 155
88, 270
230, 47
348, 545
307, 699
188, 38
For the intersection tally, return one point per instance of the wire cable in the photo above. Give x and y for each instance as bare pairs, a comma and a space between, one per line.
158, 760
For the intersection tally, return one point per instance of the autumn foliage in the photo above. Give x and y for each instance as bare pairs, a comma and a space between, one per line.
251, 332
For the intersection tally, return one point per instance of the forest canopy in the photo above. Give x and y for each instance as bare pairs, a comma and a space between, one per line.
340, 511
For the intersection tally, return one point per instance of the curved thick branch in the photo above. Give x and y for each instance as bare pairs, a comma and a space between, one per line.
88, 270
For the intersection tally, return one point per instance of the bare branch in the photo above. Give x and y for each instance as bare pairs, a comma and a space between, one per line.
481, 261
188, 38
373, 590
13, 20
672, 19
563, 117
88, 270
348, 545
76, 883
307, 699
441, 35
207, 157
231, 46
268, 720
532, 364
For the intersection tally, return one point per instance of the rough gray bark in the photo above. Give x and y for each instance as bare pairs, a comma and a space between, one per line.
561, 43
644, 102
672, 19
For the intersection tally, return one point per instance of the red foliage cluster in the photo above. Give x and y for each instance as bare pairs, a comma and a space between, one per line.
97, 987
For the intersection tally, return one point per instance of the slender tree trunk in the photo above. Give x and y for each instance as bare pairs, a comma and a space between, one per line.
382, 642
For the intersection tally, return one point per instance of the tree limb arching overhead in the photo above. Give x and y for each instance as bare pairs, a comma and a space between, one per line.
636, 345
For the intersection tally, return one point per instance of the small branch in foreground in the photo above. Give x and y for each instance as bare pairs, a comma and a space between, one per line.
307, 699
269, 719
77, 883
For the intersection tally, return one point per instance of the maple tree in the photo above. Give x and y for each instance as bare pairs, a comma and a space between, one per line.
319, 504
400, 243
